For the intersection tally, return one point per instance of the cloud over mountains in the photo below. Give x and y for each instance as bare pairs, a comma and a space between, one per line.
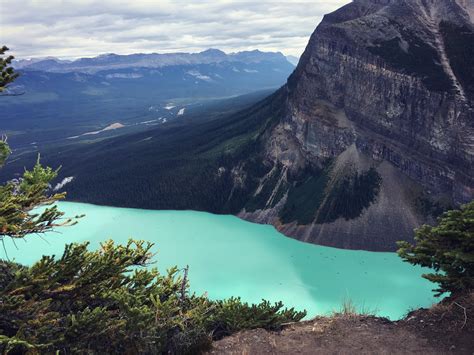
78, 28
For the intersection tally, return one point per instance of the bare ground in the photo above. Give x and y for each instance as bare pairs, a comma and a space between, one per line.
445, 328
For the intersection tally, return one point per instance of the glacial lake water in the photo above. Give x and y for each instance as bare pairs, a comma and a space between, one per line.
231, 257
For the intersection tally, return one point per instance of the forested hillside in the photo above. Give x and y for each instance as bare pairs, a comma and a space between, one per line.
178, 166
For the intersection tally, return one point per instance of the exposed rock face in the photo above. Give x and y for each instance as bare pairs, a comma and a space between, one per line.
382, 84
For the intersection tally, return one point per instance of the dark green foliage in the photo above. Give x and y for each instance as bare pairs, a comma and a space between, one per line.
311, 200
459, 43
420, 59
19, 198
429, 208
447, 248
349, 196
7, 74
233, 315
5, 152
305, 197
104, 301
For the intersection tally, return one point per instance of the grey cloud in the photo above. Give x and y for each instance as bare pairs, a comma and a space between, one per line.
75, 28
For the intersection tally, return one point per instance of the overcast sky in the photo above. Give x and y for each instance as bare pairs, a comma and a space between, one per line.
84, 28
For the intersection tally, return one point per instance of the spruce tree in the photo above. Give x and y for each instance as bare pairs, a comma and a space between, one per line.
448, 249
106, 302
7, 73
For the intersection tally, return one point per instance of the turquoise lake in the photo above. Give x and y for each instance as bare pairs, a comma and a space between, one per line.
231, 257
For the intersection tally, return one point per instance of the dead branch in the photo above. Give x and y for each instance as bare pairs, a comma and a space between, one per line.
465, 313
184, 283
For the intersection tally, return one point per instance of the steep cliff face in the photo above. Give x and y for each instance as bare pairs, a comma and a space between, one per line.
378, 131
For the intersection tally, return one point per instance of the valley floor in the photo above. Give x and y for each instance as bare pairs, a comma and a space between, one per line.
447, 327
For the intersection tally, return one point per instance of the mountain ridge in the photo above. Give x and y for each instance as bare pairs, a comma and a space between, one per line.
145, 60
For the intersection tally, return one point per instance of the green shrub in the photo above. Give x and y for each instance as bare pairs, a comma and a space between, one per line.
447, 248
107, 301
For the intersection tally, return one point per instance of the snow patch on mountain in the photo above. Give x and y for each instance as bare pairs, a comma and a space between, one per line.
124, 76
198, 75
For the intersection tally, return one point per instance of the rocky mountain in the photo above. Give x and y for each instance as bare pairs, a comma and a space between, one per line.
154, 60
381, 105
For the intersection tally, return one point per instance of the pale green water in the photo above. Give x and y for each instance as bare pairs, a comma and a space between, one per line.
230, 257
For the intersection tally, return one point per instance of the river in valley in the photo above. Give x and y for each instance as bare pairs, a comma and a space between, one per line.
231, 257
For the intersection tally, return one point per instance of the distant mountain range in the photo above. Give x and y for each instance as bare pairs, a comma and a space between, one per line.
62, 98
152, 60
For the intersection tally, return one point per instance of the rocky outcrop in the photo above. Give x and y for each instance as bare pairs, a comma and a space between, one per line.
384, 86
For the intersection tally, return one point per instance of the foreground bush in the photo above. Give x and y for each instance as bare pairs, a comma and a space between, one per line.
106, 301
448, 249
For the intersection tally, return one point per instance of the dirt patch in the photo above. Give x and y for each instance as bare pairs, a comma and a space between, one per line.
445, 328
328, 336
448, 325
